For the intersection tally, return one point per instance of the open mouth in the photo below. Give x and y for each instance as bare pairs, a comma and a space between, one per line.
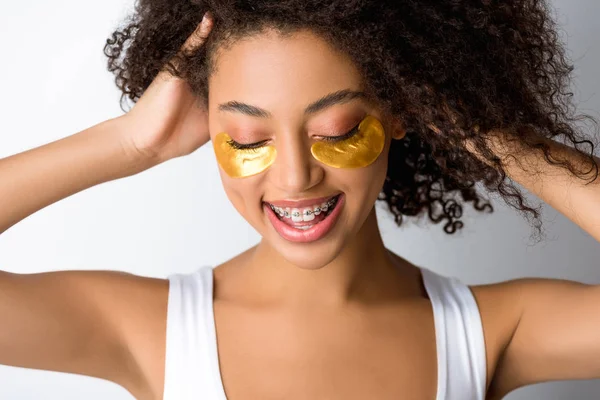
305, 224
304, 218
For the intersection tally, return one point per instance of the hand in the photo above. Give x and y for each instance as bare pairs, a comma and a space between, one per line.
168, 121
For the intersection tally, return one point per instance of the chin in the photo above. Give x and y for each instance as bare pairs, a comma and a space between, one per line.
310, 256
310, 261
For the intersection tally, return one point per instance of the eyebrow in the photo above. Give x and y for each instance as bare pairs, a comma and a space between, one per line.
339, 97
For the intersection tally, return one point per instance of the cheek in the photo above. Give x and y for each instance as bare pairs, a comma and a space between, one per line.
363, 185
242, 163
367, 183
359, 151
245, 194
238, 193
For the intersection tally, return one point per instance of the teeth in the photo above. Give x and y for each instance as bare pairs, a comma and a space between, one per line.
305, 214
308, 214
296, 215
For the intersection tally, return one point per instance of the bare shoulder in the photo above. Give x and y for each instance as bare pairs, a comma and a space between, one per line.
142, 315
137, 305
513, 314
101, 323
500, 308
502, 305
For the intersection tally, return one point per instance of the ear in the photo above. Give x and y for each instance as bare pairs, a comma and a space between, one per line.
398, 129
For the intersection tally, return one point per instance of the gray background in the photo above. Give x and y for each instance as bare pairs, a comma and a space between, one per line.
172, 218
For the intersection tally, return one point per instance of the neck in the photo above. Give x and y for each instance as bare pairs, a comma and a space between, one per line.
363, 272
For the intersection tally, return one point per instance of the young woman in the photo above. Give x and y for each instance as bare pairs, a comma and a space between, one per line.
316, 110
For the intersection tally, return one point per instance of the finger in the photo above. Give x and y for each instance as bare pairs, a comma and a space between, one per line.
198, 37
192, 43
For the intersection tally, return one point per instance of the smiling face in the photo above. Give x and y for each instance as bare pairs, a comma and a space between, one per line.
275, 106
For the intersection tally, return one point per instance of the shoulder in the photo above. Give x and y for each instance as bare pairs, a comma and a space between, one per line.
138, 307
525, 318
503, 304
500, 306
144, 321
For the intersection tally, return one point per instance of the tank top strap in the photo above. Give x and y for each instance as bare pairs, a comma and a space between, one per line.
191, 359
459, 338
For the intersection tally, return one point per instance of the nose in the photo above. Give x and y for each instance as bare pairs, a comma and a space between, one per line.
294, 170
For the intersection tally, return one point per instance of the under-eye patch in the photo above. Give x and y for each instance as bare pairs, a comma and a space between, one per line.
241, 163
357, 151
359, 148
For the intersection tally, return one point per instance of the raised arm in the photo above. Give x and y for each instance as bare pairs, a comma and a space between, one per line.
67, 321
556, 334
36, 178
94, 323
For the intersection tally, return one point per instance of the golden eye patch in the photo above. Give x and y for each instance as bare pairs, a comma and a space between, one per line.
358, 151
241, 163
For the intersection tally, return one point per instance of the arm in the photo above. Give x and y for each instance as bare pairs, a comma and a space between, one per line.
36, 178
92, 323
166, 122
97, 323
575, 198
556, 333
555, 336
78, 322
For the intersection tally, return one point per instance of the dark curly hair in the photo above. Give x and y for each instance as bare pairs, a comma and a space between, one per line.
495, 64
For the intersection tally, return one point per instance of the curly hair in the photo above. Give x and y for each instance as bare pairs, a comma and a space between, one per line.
497, 65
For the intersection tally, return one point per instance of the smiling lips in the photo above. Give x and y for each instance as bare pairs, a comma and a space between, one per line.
306, 220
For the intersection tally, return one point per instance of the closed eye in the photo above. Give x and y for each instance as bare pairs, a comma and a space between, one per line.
249, 146
332, 139
343, 137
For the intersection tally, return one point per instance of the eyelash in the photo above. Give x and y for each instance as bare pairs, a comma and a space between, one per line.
249, 147
257, 145
343, 137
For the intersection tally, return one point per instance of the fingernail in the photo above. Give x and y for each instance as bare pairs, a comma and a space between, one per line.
206, 16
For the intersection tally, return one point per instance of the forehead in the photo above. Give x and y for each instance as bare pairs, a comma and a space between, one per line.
281, 72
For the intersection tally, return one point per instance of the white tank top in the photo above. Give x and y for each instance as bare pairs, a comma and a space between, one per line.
192, 363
